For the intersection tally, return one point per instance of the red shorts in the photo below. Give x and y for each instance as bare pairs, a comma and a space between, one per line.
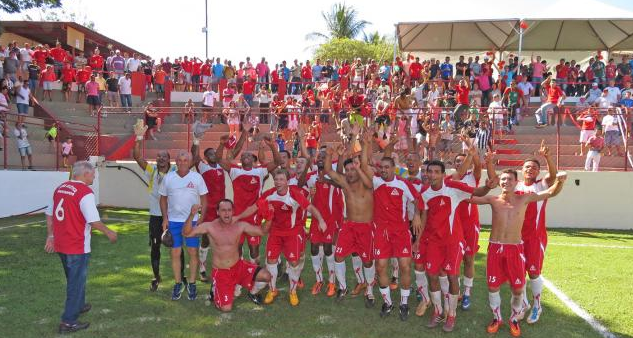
355, 237
445, 257
506, 263
291, 246
392, 243
471, 238
320, 237
224, 280
534, 250
420, 256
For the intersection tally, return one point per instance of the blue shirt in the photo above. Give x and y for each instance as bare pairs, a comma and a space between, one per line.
281, 144
627, 102
218, 70
286, 73
335, 73
316, 71
385, 72
446, 69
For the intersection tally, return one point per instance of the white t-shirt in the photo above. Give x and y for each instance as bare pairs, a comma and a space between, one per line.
613, 93
125, 86
525, 87
24, 141
133, 64
608, 123
209, 97
603, 102
495, 109
25, 55
4, 105
24, 92
182, 193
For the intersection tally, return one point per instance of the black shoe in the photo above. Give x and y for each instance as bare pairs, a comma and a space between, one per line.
255, 298
386, 310
85, 309
153, 286
203, 277
340, 294
370, 301
70, 328
404, 312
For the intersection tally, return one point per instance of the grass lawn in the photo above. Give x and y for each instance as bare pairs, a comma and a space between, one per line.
32, 290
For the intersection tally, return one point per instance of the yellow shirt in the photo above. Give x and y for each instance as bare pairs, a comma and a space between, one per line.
102, 83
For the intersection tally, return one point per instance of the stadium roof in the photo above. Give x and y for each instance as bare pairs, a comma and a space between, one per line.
50, 32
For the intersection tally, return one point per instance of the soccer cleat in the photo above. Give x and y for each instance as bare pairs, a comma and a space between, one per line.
153, 286
300, 284
177, 292
203, 276
494, 325
394, 283
270, 296
404, 312
465, 302
435, 320
385, 310
535, 314
331, 289
515, 329
192, 291
255, 298
421, 309
358, 289
316, 288
519, 316
340, 294
294, 298
449, 325
69, 328
370, 301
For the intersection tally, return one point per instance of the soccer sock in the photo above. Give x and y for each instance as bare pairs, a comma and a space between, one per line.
396, 267
357, 264
436, 298
537, 288
444, 285
468, 284
272, 268
494, 298
182, 264
321, 252
422, 284
329, 260
404, 296
302, 262
257, 286
316, 265
155, 258
452, 305
526, 303
340, 274
517, 305
370, 277
203, 259
386, 294
293, 276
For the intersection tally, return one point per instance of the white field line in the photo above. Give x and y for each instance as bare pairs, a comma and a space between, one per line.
583, 245
580, 312
22, 225
44, 221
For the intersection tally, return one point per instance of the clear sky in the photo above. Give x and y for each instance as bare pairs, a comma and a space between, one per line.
276, 29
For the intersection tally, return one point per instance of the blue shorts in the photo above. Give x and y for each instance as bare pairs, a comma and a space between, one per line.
176, 232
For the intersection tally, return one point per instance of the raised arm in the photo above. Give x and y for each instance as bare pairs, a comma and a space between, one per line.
327, 166
276, 157
485, 189
253, 230
219, 154
139, 131
490, 165
550, 192
364, 157
188, 230
552, 171
480, 200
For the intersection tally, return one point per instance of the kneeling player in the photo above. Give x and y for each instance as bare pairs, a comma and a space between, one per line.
229, 269
506, 261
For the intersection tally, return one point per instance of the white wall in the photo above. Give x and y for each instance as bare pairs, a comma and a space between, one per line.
26, 191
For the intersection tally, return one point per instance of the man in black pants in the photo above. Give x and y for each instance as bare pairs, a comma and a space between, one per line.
155, 174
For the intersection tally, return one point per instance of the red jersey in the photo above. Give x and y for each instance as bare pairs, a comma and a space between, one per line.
467, 212
248, 88
288, 210
40, 56
49, 75
462, 94
306, 73
96, 62
59, 54
414, 70
83, 76
186, 66
534, 223
390, 202
562, 71
589, 121
553, 94
195, 68
441, 224
247, 187
325, 197
73, 209
68, 75
205, 69
214, 180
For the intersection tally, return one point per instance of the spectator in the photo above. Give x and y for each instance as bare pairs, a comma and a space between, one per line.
446, 70
262, 73
160, 76
125, 92
483, 139
51, 133
555, 98
627, 101
112, 84
133, 64
603, 102
80, 60
189, 113
23, 98
67, 78
33, 71
496, 112
447, 127
83, 76
593, 94
117, 64
11, 66
24, 147
588, 128
209, 98
614, 94
248, 88
67, 150
595, 144
96, 61
102, 85
59, 56
612, 133
264, 98
92, 96
152, 121
48, 77
232, 116
598, 70
527, 89
25, 57
513, 98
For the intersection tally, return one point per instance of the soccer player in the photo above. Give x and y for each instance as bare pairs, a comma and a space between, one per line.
179, 191
506, 260
534, 232
356, 231
287, 234
229, 269
445, 239
155, 174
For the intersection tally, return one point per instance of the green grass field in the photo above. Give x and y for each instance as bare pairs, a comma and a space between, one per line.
591, 267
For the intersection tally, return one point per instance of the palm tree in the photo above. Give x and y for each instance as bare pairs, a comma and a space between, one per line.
342, 22
374, 38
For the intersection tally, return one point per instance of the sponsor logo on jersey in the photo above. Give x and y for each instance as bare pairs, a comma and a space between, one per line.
517, 282
532, 268
447, 267
292, 255
395, 192
253, 180
442, 203
405, 251
284, 207
250, 270
190, 185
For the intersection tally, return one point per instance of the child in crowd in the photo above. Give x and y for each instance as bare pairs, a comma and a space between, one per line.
67, 150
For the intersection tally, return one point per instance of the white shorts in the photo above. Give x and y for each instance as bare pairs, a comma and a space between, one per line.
585, 135
293, 124
358, 81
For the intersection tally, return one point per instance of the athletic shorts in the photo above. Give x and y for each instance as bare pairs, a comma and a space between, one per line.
585, 135
176, 232
534, 250
155, 229
93, 100
506, 263
66, 86
23, 108
224, 280
445, 257
355, 237
420, 256
320, 237
471, 229
612, 138
291, 246
24, 151
390, 243
47, 85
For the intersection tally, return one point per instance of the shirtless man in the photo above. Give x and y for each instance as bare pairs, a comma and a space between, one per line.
506, 261
355, 234
229, 268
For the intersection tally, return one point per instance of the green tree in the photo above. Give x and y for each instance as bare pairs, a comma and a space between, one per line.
17, 6
349, 49
374, 38
342, 22
61, 14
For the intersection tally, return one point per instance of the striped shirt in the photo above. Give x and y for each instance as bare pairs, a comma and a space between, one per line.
482, 138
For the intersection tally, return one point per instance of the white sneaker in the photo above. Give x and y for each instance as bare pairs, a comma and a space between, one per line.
535, 314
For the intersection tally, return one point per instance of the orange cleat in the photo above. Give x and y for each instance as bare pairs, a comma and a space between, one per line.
294, 298
331, 289
359, 288
316, 289
515, 329
494, 325
270, 296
